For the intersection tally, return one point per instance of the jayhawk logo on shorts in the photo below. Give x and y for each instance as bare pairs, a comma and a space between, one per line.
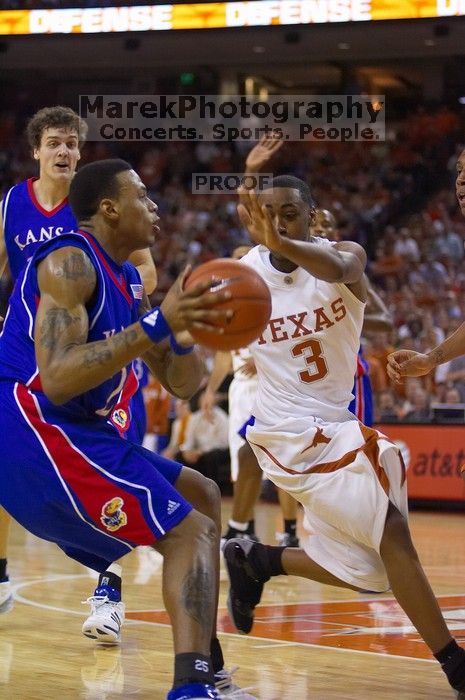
120, 418
113, 516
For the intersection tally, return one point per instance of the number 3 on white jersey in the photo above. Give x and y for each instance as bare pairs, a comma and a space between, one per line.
312, 353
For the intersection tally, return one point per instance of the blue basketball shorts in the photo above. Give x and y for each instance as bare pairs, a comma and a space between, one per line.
74, 481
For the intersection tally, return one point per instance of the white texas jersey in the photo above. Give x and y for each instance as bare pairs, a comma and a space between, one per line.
307, 355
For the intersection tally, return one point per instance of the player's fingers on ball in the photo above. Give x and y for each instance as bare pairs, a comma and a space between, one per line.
199, 288
215, 316
209, 327
212, 298
184, 274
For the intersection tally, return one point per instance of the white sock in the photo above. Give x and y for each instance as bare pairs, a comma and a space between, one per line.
242, 527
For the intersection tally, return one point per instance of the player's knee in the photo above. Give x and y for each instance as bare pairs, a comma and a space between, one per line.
208, 499
208, 490
202, 529
193, 532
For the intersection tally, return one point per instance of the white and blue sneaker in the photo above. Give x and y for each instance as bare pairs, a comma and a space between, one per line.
228, 689
194, 691
106, 617
6, 596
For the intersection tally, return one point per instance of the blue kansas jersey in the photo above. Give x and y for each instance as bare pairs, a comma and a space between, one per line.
27, 224
114, 307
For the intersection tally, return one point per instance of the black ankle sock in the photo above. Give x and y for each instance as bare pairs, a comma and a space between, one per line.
216, 654
452, 660
192, 668
108, 578
290, 527
267, 560
274, 556
251, 528
3, 574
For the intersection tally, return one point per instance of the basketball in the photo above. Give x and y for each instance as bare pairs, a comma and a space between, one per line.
250, 301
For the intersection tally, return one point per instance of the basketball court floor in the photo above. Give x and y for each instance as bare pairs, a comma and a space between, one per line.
308, 641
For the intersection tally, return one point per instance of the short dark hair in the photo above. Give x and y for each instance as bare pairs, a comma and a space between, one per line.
293, 183
92, 183
58, 117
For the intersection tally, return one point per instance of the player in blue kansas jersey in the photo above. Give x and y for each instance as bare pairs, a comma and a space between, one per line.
37, 210
72, 331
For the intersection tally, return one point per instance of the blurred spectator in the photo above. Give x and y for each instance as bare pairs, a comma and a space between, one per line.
376, 353
421, 408
157, 405
410, 386
456, 375
388, 409
406, 246
452, 396
178, 430
206, 446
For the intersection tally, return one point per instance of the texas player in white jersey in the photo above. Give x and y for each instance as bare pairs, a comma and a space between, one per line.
348, 477
241, 399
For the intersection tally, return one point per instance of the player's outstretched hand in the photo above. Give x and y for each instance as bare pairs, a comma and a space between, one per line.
195, 308
260, 154
408, 363
257, 220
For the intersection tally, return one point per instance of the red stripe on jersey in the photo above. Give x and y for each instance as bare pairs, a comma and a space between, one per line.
359, 399
38, 205
122, 287
94, 490
129, 389
36, 383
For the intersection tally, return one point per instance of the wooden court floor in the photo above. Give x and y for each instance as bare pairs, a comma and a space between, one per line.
308, 641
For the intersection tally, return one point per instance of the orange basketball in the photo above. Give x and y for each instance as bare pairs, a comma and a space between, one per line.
250, 301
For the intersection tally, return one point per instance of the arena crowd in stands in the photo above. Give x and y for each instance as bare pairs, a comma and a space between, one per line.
396, 198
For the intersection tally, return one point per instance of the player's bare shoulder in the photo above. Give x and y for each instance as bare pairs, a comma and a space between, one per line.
68, 268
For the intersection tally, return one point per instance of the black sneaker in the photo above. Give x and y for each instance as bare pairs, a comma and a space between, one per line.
246, 582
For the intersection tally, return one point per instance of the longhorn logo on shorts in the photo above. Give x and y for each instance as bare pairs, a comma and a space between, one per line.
113, 516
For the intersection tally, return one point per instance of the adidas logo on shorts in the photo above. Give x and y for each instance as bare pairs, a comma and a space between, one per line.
172, 506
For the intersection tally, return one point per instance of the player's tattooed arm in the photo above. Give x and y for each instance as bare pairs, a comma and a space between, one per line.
54, 324
76, 266
68, 364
